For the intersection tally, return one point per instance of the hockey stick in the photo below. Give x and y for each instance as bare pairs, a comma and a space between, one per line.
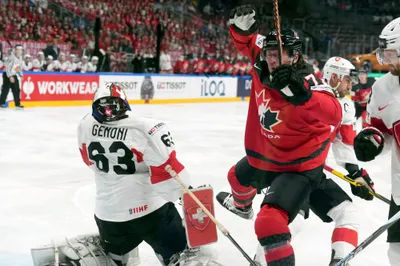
56, 255
369, 240
223, 230
277, 22
351, 181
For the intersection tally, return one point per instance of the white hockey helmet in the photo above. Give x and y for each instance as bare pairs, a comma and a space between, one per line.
339, 66
110, 103
389, 43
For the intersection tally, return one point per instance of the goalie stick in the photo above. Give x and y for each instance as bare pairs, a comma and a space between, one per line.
369, 240
351, 181
223, 230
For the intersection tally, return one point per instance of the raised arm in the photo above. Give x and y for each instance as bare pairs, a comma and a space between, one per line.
243, 30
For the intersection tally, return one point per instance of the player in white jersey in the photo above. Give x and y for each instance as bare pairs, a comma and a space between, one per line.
329, 202
134, 193
383, 116
92, 65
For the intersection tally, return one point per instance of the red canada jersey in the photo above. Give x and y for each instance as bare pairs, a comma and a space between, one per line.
221, 68
215, 66
185, 67
178, 67
229, 68
279, 136
361, 92
200, 66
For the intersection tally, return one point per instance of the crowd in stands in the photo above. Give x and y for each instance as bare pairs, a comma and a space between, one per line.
127, 26
194, 32
62, 63
218, 64
381, 11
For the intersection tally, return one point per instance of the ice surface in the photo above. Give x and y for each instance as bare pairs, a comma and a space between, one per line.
46, 191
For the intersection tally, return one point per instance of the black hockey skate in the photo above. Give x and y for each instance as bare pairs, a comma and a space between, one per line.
226, 200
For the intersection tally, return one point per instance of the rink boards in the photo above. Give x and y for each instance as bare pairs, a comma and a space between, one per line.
76, 89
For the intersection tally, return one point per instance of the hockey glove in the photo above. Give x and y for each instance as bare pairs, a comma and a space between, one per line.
361, 177
242, 19
368, 144
290, 85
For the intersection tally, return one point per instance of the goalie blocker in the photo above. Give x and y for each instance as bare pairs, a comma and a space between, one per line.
200, 230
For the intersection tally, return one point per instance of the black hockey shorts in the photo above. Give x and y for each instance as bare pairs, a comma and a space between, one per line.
327, 196
394, 230
161, 229
288, 191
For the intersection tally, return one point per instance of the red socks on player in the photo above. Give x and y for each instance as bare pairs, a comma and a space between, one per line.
242, 196
364, 119
271, 227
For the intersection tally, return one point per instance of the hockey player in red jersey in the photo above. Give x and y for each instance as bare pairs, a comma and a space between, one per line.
329, 202
291, 122
383, 115
360, 95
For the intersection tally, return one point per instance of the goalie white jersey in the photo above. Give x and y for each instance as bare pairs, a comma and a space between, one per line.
383, 113
342, 145
129, 157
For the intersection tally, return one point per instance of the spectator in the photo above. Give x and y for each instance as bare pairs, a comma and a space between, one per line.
63, 62
165, 62
50, 64
27, 66
92, 65
138, 63
83, 65
72, 66
52, 49
149, 61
